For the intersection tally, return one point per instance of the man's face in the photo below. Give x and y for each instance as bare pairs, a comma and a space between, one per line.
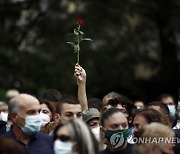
3, 108
28, 106
70, 111
93, 123
117, 121
167, 101
139, 104
139, 122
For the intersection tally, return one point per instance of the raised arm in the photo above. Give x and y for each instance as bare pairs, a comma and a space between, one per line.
80, 75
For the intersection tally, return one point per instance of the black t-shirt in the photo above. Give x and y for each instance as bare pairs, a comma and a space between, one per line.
128, 150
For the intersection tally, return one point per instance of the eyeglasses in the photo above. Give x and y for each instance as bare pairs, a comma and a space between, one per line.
64, 138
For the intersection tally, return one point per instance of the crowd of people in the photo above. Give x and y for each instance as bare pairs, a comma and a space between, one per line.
54, 123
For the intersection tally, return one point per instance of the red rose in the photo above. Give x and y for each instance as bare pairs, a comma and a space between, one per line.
80, 21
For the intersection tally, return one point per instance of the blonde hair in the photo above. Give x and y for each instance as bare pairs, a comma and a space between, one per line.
153, 130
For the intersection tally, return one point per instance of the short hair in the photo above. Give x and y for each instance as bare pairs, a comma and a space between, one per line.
52, 95
111, 95
95, 103
165, 95
66, 99
107, 113
125, 102
13, 105
151, 115
161, 105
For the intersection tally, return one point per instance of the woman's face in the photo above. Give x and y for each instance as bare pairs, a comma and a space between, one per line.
64, 135
46, 110
63, 131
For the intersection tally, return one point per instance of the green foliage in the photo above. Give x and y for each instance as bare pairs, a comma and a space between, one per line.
134, 51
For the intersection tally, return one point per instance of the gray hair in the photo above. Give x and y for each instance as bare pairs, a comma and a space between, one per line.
82, 135
13, 105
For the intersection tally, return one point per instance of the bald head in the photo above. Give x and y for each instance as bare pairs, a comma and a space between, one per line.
21, 102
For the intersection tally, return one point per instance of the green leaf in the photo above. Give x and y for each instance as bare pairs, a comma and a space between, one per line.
71, 44
86, 39
81, 33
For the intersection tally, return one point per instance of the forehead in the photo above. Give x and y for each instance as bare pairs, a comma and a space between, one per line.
29, 103
44, 106
3, 106
116, 118
140, 120
63, 131
167, 100
138, 103
71, 108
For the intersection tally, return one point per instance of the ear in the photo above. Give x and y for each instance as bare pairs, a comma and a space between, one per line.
57, 118
13, 117
102, 130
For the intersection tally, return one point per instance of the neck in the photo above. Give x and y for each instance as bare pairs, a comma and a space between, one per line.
20, 135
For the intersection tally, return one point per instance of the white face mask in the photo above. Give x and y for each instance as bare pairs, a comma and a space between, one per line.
4, 116
45, 119
96, 132
62, 147
172, 110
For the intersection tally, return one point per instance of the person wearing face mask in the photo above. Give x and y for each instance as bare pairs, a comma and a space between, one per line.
5, 124
48, 115
91, 118
169, 100
74, 137
24, 113
115, 130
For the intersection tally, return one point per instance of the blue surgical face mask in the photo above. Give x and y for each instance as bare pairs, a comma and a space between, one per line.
172, 110
32, 124
61, 147
178, 106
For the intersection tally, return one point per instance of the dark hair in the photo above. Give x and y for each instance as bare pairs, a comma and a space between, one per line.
107, 113
151, 115
125, 102
49, 105
66, 99
165, 95
52, 95
95, 103
111, 95
161, 105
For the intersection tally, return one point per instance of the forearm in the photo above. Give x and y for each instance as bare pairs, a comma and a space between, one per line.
82, 97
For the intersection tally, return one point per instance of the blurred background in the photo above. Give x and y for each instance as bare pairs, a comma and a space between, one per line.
135, 49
